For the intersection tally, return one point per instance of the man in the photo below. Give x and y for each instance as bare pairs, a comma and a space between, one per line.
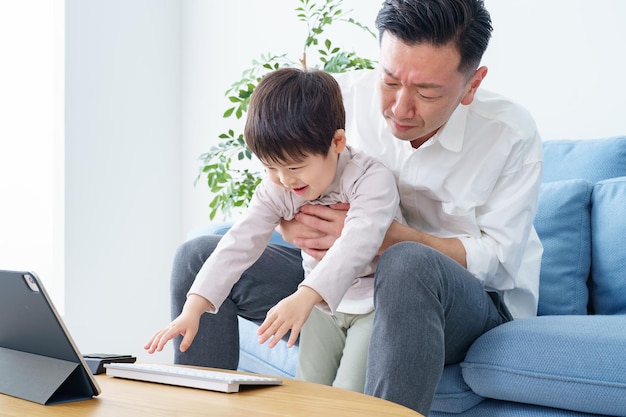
468, 167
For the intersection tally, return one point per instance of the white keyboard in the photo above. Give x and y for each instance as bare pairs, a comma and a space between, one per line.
187, 377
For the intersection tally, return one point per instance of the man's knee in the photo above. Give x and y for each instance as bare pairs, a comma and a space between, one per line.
405, 262
196, 250
188, 260
405, 257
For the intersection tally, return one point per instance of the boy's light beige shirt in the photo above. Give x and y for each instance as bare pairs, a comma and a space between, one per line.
344, 278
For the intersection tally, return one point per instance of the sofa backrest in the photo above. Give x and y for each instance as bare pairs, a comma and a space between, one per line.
581, 222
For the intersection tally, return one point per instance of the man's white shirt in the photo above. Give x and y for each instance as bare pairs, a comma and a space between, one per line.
477, 180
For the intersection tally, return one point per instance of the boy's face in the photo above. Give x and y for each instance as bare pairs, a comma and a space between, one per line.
310, 177
421, 87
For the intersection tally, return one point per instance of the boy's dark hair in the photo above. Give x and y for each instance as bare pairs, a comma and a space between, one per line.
293, 114
465, 23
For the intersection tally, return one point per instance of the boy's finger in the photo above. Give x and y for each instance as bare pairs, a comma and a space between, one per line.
188, 336
293, 337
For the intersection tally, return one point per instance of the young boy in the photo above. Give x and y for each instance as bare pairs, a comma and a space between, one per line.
295, 126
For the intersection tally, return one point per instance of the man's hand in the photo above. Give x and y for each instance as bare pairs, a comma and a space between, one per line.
315, 228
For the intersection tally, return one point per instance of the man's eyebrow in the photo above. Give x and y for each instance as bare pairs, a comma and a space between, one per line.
417, 85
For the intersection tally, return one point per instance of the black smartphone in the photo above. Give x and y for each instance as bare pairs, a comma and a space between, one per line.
96, 361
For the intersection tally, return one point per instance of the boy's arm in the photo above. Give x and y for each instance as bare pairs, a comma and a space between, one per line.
238, 249
374, 202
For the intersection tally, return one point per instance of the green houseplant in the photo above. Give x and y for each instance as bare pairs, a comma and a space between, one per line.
232, 186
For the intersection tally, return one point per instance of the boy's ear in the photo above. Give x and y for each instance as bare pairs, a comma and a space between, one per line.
339, 140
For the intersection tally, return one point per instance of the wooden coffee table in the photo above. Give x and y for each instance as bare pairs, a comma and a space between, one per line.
122, 397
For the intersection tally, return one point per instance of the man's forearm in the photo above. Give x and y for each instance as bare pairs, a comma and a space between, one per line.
449, 246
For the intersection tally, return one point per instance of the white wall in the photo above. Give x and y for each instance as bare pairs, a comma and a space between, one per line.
145, 83
122, 169
31, 140
563, 60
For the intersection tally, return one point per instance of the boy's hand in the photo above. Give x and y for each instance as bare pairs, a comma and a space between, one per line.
186, 324
289, 314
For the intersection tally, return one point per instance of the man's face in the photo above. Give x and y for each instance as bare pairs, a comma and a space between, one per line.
421, 86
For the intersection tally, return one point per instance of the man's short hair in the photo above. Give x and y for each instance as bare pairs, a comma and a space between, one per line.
464, 23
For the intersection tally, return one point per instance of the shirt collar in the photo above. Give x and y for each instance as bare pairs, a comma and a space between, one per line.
452, 133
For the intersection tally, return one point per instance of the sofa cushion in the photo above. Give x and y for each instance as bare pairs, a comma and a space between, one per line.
563, 225
608, 220
571, 362
594, 160
452, 394
497, 408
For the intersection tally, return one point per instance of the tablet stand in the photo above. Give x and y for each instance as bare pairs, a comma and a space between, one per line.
42, 379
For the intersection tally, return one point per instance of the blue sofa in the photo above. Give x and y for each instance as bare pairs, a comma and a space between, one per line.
571, 359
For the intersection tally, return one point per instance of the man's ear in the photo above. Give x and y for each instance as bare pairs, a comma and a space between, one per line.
473, 84
339, 141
